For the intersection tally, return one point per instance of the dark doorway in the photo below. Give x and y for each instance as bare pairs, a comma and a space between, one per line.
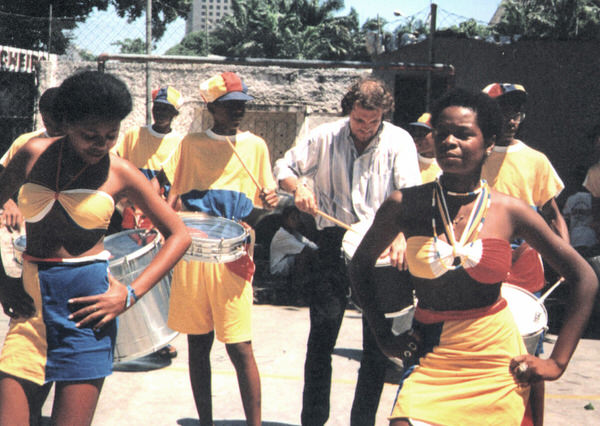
18, 93
410, 94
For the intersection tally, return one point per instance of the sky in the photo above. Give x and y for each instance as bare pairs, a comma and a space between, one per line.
102, 29
481, 10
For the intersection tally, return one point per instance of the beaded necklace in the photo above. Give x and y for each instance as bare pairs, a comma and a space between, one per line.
473, 226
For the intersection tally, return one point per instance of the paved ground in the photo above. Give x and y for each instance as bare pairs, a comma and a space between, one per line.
152, 392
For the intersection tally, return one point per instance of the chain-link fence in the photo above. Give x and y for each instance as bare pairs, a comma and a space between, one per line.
100, 32
416, 27
106, 32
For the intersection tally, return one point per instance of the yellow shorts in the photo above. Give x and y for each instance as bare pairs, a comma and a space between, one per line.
213, 296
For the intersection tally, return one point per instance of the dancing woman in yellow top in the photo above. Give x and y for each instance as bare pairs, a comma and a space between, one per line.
466, 361
62, 328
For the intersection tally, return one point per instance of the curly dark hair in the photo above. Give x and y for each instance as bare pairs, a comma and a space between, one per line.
92, 95
46, 103
369, 93
489, 116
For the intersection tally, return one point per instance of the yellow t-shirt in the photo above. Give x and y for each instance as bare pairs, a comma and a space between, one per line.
522, 172
429, 169
18, 143
209, 177
147, 149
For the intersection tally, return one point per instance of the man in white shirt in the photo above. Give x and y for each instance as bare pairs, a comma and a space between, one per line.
354, 164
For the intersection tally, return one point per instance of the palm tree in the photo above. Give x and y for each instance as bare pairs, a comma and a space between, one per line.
551, 19
301, 29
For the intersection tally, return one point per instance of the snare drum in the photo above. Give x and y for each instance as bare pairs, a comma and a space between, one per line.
214, 239
394, 289
529, 313
142, 329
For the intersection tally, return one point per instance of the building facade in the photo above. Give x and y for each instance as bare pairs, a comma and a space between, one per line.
206, 14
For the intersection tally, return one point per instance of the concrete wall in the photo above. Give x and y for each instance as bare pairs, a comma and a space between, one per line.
303, 98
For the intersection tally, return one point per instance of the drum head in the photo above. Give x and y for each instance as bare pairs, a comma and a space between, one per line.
132, 243
530, 315
214, 228
352, 239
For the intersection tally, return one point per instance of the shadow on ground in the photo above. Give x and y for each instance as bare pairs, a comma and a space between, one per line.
194, 422
145, 363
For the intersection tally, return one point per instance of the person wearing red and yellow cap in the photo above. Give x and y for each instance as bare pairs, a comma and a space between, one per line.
421, 132
516, 169
209, 299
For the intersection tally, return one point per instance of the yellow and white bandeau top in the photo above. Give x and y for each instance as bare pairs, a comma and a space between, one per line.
88, 208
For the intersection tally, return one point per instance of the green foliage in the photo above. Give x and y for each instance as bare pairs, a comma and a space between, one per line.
135, 45
289, 29
551, 19
193, 44
163, 12
26, 23
86, 55
471, 29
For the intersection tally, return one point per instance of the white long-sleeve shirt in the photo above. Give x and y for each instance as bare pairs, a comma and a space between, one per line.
348, 186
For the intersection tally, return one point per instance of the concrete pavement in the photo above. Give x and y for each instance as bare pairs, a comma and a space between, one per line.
150, 391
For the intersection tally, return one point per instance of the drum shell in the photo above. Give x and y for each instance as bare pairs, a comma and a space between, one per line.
393, 289
143, 327
529, 313
214, 248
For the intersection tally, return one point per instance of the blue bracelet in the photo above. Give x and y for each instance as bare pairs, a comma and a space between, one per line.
130, 294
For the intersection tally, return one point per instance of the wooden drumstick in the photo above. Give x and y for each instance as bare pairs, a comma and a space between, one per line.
337, 222
237, 154
319, 212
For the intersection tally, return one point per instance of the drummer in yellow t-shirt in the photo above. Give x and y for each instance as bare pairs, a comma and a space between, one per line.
421, 132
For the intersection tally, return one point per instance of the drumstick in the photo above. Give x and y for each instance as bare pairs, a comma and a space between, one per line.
550, 290
337, 222
319, 212
260, 189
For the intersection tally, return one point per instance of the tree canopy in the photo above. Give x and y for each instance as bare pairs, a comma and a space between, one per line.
26, 23
551, 19
283, 29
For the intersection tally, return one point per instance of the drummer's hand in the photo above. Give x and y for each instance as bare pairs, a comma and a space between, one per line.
99, 309
269, 198
396, 252
305, 199
11, 215
15, 300
531, 369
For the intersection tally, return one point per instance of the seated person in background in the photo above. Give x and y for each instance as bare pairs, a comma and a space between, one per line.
592, 179
420, 131
578, 214
291, 253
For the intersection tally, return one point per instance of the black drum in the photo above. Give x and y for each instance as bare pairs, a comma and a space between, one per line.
393, 288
